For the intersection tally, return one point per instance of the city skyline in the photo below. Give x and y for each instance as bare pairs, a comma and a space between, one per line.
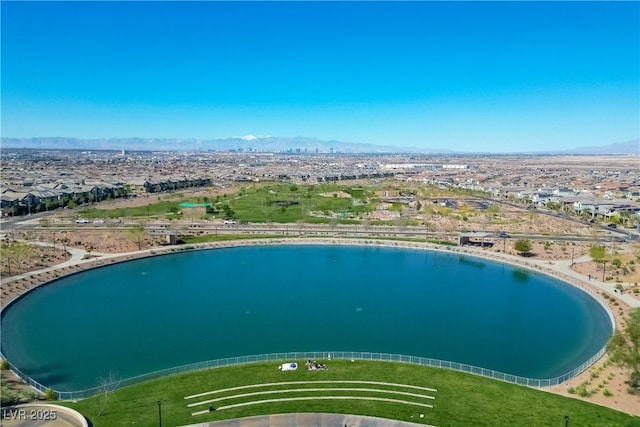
466, 76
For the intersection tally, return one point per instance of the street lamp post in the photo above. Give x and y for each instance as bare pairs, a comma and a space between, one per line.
160, 413
572, 248
566, 421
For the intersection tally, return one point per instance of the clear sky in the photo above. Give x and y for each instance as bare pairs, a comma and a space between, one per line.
468, 76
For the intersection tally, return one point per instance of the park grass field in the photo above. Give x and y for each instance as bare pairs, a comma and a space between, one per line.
159, 209
290, 203
205, 238
461, 399
279, 203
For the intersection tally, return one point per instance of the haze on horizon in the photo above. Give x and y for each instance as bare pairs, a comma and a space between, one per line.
468, 76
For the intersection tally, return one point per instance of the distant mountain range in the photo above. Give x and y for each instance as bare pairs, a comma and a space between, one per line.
246, 144
249, 143
629, 147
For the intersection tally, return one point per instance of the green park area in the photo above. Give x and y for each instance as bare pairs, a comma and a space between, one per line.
279, 203
459, 400
161, 209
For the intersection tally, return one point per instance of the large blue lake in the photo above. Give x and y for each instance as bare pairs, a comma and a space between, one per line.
145, 315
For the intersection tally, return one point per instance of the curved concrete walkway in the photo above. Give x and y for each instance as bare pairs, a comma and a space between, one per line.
311, 419
564, 266
77, 258
42, 415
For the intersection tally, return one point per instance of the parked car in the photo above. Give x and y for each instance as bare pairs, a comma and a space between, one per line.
98, 221
612, 225
82, 221
117, 221
229, 221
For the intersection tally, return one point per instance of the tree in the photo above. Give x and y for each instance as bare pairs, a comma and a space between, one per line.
493, 210
136, 234
624, 349
15, 253
107, 385
598, 253
523, 246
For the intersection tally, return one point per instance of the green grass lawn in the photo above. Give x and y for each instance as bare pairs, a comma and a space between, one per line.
461, 399
281, 203
159, 209
290, 203
224, 237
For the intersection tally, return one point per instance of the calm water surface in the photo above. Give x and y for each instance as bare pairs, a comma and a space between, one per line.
140, 316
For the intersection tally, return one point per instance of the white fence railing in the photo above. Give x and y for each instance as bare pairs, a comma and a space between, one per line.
348, 355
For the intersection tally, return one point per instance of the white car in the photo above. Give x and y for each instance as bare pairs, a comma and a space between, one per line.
229, 222
99, 221
82, 221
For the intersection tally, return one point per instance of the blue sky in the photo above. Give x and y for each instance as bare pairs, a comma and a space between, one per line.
468, 76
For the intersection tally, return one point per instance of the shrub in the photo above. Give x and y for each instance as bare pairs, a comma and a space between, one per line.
9, 397
607, 393
30, 395
571, 390
4, 364
50, 394
583, 392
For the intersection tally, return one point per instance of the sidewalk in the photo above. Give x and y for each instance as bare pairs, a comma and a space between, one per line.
77, 258
564, 266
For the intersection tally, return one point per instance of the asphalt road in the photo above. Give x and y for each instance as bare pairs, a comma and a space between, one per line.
32, 222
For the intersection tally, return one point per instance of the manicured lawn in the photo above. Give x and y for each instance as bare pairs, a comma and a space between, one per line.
461, 399
290, 203
281, 203
223, 237
159, 209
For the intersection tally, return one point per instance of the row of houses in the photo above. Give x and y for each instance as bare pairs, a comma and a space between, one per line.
147, 185
605, 207
584, 203
46, 196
